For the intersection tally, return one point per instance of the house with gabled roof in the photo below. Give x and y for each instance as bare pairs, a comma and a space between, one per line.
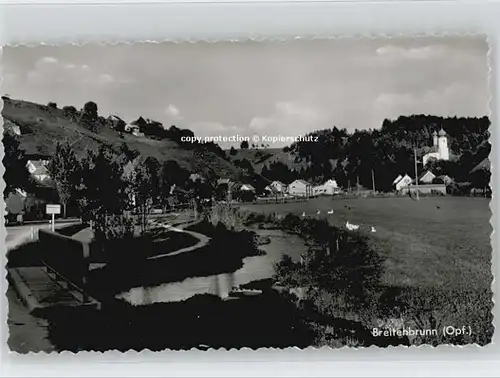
426, 177
300, 188
402, 182
38, 169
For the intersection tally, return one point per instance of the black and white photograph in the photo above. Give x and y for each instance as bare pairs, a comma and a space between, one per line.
305, 193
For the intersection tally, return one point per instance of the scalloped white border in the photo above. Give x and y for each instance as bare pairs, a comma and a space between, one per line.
309, 355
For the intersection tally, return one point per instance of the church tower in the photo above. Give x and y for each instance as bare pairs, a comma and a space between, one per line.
444, 152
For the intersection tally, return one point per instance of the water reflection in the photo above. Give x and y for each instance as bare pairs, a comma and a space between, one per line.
254, 268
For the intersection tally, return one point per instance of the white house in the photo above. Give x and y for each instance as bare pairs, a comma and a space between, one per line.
276, 187
402, 182
439, 149
300, 188
330, 187
38, 169
426, 177
247, 188
132, 129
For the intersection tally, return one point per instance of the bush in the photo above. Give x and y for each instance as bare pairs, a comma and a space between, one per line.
114, 227
339, 267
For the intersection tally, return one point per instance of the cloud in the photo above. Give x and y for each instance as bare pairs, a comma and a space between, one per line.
172, 111
442, 101
49, 71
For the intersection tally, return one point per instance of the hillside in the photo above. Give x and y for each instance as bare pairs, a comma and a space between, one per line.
42, 125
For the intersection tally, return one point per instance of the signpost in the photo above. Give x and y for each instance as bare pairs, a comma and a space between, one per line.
53, 210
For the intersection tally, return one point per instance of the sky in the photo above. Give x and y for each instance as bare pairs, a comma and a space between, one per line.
264, 88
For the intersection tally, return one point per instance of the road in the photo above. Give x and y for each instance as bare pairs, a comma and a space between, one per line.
17, 235
26, 332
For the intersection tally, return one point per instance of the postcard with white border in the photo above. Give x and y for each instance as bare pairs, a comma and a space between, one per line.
260, 194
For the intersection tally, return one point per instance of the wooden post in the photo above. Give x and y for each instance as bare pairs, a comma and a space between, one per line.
53, 222
416, 173
373, 181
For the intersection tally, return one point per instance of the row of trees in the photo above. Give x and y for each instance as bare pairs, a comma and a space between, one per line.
387, 152
106, 184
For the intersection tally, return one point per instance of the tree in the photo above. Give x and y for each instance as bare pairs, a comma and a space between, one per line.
171, 176
102, 190
89, 117
232, 151
52, 105
63, 169
145, 186
16, 174
244, 145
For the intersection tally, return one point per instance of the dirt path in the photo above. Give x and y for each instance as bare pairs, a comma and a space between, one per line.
202, 239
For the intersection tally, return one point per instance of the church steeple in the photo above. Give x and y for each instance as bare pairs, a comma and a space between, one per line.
434, 138
444, 153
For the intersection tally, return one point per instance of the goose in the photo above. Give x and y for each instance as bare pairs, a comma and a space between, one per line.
330, 211
304, 214
351, 227
318, 212
373, 229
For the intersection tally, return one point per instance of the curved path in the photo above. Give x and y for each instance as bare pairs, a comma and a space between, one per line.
202, 239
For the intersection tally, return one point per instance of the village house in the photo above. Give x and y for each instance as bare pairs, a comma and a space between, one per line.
133, 129
426, 177
445, 179
300, 188
38, 169
329, 188
402, 182
276, 187
246, 192
439, 149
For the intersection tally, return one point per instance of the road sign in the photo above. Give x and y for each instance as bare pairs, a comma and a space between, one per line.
53, 209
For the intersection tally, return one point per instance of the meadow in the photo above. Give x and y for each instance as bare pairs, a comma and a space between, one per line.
436, 242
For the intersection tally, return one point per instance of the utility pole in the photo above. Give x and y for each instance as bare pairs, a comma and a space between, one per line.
349, 186
373, 181
416, 173
357, 184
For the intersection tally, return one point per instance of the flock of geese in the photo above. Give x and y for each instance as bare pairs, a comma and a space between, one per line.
350, 226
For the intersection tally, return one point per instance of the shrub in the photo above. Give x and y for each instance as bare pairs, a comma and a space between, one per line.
340, 270
114, 227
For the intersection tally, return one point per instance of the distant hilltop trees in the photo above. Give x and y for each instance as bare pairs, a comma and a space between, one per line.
388, 151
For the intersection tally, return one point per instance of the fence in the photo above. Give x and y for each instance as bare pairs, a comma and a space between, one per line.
270, 200
67, 258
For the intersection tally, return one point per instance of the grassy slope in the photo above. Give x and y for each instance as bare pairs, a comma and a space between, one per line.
425, 246
41, 127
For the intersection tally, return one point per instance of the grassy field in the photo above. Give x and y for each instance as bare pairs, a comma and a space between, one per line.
436, 242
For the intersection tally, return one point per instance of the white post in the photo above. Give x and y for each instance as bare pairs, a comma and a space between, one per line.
53, 222
416, 173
